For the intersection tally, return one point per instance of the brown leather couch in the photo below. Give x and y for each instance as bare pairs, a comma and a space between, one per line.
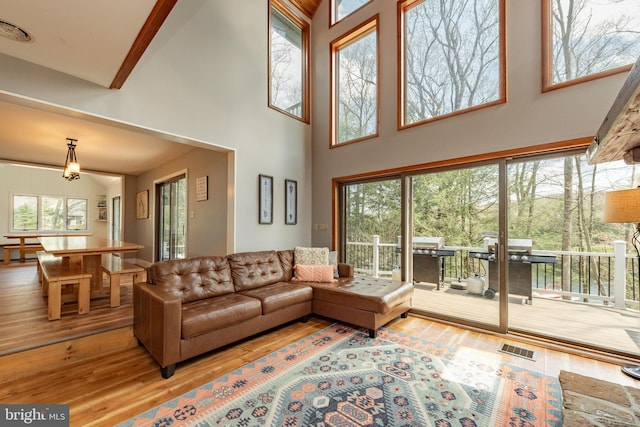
191, 306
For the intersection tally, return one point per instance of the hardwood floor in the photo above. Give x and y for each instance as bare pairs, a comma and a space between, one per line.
23, 312
106, 378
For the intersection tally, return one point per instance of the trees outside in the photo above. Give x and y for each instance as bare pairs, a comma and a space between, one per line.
451, 57
557, 203
343, 8
25, 213
356, 97
592, 36
286, 59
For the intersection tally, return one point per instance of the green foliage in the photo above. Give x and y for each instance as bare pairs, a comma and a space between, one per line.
460, 205
25, 218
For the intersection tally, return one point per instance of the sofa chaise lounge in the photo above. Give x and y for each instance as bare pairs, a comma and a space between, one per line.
191, 306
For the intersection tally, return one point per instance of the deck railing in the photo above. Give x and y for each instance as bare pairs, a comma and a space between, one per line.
590, 277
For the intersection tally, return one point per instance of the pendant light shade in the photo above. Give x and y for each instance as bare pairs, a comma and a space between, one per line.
71, 166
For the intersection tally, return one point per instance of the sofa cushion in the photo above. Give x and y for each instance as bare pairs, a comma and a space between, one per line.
200, 317
364, 293
286, 259
251, 270
193, 279
280, 295
313, 273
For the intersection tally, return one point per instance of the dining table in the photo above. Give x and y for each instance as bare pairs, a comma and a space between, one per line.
23, 237
88, 250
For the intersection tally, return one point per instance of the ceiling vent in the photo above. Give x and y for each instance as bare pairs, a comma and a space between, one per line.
13, 32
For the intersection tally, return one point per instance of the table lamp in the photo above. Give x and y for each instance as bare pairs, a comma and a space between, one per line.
623, 206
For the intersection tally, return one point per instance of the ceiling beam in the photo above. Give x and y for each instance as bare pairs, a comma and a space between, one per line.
153, 23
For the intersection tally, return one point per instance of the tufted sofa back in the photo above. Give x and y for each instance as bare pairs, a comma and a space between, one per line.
193, 279
254, 269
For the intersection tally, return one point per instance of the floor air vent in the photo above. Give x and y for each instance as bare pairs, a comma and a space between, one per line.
517, 351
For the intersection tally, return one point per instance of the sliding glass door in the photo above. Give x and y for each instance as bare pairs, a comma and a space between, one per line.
371, 226
556, 205
171, 217
454, 244
517, 244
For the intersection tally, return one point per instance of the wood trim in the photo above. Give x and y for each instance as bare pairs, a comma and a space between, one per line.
308, 7
546, 44
402, 8
590, 77
547, 58
371, 24
151, 26
570, 144
332, 14
305, 29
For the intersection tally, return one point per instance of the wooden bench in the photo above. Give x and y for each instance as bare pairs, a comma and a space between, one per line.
115, 267
141, 263
59, 272
30, 248
42, 256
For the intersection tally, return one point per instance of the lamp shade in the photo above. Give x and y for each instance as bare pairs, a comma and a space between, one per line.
622, 206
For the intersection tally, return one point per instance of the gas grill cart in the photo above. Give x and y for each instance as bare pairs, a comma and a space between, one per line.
429, 259
521, 258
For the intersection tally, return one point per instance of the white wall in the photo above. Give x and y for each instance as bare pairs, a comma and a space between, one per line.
37, 181
203, 77
528, 118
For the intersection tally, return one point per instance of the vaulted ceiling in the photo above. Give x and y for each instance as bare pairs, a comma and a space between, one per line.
97, 41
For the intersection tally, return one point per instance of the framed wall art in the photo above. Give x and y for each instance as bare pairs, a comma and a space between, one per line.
142, 205
202, 190
290, 202
265, 202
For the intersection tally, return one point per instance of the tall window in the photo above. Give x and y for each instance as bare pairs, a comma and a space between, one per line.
355, 84
48, 213
585, 39
452, 57
343, 8
288, 59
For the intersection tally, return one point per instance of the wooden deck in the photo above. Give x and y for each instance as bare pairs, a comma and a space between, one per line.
605, 327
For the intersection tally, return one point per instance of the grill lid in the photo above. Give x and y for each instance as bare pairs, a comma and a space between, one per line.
515, 245
428, 242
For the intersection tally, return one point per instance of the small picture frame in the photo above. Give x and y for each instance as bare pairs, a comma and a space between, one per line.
142, 205
265, 202
202, 191
290, 202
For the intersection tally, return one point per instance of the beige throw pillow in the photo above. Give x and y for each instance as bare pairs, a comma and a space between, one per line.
311, 256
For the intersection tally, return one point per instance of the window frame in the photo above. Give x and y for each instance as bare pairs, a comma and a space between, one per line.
402, 7
353, 35
305, 29
333, 12
547, 57
39, 197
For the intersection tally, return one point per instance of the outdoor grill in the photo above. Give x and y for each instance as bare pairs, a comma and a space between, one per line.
521, 257
428, 259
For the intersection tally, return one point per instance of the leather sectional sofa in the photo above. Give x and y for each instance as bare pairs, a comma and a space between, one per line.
191, 306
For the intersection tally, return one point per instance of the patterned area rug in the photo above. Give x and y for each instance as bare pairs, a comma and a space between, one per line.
341, 377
